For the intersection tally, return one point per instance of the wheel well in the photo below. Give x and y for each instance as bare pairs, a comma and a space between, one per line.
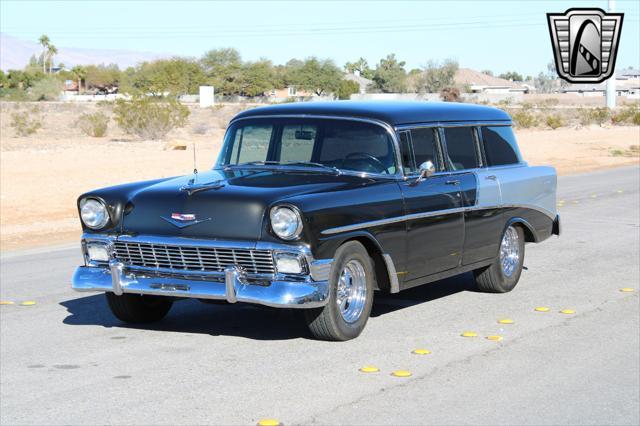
529, 236
382, 274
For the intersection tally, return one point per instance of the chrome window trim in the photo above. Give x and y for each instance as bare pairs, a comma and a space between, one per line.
474, 170
414, 216
452, 124
389, 129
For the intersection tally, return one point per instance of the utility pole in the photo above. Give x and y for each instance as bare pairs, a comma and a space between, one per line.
611, 82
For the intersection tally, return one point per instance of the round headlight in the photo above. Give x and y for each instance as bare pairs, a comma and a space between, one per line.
286, 222
93, 213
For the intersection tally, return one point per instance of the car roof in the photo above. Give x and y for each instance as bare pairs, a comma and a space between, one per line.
392, 112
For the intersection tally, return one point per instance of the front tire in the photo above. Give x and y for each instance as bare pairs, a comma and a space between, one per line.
504, 273
134, 308
352, 281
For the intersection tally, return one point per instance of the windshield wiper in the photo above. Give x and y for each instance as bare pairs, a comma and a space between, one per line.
312, 164
287, 163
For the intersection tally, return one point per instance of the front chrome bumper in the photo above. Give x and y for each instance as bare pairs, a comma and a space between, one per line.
233, 285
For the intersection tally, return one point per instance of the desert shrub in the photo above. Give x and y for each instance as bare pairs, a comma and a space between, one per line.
94, 125
148, 118
595, 116
450, 94
46, 89
629, 114
27, 122
550, 102
524, 118
554, 121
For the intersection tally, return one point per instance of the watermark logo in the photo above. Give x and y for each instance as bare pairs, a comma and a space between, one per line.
585, 43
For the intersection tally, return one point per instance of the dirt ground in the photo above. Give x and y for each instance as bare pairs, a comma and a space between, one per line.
42, 175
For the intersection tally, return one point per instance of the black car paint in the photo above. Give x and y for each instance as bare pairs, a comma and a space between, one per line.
422, 249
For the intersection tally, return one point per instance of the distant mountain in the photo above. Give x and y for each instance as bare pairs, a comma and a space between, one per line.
15, 54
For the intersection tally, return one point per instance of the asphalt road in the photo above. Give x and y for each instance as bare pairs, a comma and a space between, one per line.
66, 360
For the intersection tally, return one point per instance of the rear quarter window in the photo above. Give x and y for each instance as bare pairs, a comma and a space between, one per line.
461, 148
500, 147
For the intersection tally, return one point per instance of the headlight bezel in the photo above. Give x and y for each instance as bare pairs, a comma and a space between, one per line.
297, 232
106, 218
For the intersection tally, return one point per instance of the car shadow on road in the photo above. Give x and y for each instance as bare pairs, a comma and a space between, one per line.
386, 303
249, 321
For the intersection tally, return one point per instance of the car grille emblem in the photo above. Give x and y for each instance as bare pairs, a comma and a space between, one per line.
182, 220
585, 43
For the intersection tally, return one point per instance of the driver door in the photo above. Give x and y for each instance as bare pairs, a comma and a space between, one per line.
435, 233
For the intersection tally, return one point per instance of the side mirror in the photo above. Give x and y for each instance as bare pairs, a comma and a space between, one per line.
427, 169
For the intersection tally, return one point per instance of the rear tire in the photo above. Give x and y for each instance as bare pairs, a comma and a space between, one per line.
134, 308
504, 273
352, 280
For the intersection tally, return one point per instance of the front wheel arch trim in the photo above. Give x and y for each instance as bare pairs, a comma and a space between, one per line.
385, 273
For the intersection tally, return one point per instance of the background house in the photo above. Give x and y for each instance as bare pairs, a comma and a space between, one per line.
478, 82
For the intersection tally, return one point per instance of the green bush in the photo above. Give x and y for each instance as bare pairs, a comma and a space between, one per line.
47, 89
94, 125
554, 121
524, 119
148, 118
26, 123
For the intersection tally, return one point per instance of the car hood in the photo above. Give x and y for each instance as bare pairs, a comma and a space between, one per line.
224, 204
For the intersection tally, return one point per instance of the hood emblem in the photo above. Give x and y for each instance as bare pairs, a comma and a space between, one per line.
182, 220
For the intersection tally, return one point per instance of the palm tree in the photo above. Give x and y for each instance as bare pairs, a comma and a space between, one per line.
44, 42
79, 72
51, 52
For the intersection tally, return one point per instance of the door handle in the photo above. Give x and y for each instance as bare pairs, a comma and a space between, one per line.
491, 177
452, 182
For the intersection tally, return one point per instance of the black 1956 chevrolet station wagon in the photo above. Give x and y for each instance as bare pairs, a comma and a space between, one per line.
318, 205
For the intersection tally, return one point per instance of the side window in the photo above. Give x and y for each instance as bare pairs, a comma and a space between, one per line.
500, 146
408, 163
297, 143
425, 146
461, 148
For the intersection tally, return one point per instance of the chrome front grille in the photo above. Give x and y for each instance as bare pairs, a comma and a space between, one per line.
192, 258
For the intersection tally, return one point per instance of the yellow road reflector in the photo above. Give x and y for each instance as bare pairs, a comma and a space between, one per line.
369, 369
505, 321
494, 337
269, 422
421, 351
627, 290
401, 373
28, 303
594, 196
541, 309
469, 334
567, 311
6, 302
619, 191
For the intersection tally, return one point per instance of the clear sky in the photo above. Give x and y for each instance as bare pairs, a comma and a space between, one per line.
496, 35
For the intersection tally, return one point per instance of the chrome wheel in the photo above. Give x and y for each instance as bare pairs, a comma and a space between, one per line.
351, 293
510, 251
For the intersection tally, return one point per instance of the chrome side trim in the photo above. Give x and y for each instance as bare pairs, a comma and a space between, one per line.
390, 220
405, 218
394, 284
469, 123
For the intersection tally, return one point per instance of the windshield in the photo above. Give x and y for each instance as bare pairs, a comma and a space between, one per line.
337, 144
